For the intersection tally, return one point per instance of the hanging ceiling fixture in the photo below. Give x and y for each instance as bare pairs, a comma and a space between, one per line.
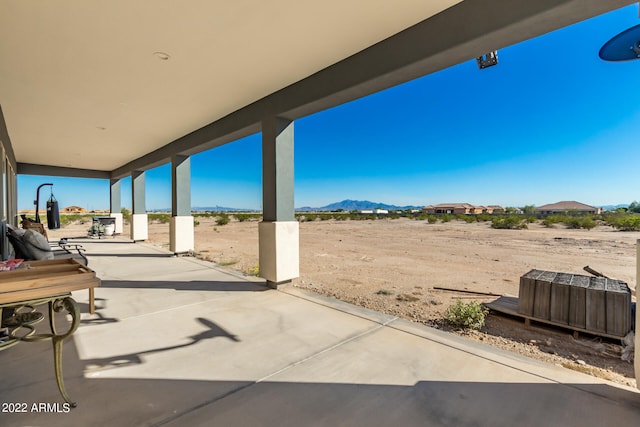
488, 60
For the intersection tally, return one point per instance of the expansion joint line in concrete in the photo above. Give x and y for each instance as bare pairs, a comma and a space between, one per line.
342, 310
333, 347
174, 417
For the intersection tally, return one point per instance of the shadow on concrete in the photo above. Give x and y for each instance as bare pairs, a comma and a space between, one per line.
137, 402
130, 255
212, 331
194, 285
96, 318
85, 239
28, 378
427, 403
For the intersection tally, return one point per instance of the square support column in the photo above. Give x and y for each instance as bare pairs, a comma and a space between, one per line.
139, 221
181, 229
181, 234
119, 224
279, 246
139, 227
116, 204
279, 251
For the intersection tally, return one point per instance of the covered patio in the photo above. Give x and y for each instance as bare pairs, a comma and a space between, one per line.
178, 341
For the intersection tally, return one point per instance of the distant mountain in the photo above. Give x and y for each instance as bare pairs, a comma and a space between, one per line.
614, 207
220, 209
355, 205
208, 209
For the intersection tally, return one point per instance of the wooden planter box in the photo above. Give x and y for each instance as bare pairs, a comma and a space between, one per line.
594, 304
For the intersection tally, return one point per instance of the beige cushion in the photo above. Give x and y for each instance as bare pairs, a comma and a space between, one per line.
37, 245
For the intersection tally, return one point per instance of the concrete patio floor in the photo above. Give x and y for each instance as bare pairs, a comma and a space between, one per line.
180, 342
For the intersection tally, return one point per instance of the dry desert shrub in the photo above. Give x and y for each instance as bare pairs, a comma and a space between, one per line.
466, 316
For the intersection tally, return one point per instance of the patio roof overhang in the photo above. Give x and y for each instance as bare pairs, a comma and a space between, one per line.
141, 81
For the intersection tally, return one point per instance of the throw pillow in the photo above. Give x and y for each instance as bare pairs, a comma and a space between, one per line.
37, 245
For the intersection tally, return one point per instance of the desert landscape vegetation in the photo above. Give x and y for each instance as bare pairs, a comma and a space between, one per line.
416, 266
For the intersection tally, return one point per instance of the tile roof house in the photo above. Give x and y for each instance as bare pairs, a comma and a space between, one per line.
495, 209
73, 209
448, 208
567, 207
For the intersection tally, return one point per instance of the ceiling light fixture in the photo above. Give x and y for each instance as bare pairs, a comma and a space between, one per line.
162, 55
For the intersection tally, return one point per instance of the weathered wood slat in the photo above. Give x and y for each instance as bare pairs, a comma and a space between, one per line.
578, 301
527, 291
542, 298
596, 309
37, 272
618, 299
560, 296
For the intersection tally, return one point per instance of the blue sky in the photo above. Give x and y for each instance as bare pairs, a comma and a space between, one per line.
550, 122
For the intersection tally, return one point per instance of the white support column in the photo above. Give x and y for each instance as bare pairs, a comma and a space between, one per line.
181, 234
119, 222
278, 232
279, 251
139, 227
139, 221
116, 205
181, 229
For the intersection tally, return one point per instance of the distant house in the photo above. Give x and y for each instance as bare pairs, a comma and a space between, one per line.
454, 208
73, 210
495, 209
366, 211
567, 207
462, 209
449, 208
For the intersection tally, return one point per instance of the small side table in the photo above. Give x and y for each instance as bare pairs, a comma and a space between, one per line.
43, 282
22, 330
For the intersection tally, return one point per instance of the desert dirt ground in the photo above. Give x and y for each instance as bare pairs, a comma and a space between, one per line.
394, 266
